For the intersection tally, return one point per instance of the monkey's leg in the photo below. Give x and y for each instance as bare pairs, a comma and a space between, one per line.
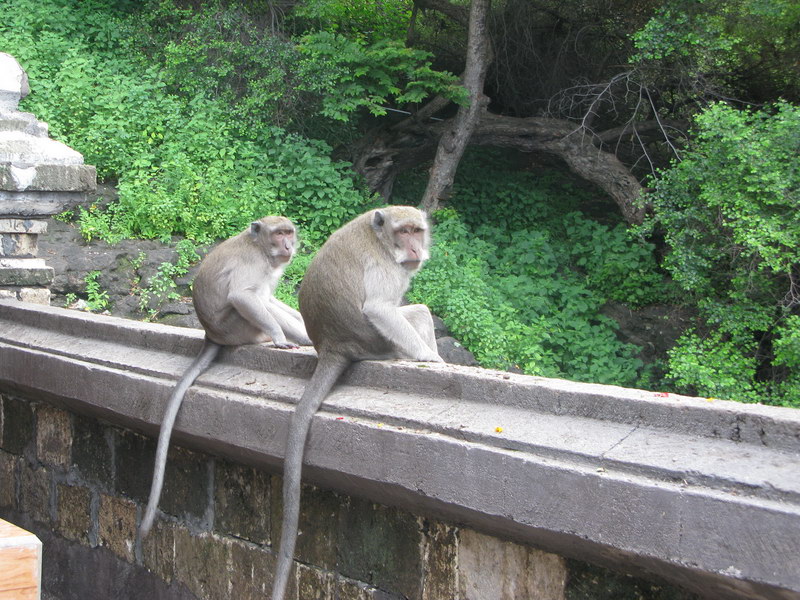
421, 320
291, 322
251, 308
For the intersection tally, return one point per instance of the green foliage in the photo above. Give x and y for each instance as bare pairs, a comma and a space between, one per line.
161, 287
729, 213
526, 289
731, 46
351, 74
96, 297
371, 19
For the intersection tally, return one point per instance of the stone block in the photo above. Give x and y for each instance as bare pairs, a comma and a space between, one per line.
13, 83
133, 464
314, 584
35, 295
318, 527
53, 436
8, 480
492, 569
20, 245
253, 572
17, 425
186, 484
201, 563
35, 494
380, 546
441, 553
590, 582
158, 550
242, 502
48, 177
117, 525
31, 226
25, 272
32, 203
74, 512
92, 451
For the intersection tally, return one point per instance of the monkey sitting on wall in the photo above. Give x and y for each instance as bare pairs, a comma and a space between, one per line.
350, 300
233, 295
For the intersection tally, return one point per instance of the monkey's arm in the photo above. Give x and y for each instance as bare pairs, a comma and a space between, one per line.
251, 308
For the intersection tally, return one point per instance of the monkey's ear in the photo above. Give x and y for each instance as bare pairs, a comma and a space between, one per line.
255, 228
378, 220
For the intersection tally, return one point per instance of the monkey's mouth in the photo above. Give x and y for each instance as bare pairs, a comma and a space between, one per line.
411, 265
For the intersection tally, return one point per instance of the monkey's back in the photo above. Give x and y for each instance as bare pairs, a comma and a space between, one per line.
332, 293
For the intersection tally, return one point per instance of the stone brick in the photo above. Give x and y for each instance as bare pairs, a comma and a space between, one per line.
252, 572
35, 494
25, 271
186, 484
17, 425
202, 563
133, 465
318, 527
32, 226
589, 582
73, 512
8, 480
9, 294
53, 436
380, 546
158, 550
91, 451
314, 584
492, 569
441, 551
22, 245
117, 525
242, 502
38, 295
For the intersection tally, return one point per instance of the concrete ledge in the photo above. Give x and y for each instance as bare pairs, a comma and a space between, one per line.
705, 494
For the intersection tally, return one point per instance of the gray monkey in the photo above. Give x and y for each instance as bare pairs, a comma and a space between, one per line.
350, 300
233, 295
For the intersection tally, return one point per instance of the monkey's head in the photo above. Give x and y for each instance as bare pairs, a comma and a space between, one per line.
403, 231
277, 238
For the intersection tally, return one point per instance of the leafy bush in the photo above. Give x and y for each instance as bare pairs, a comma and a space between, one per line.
729, 215
185, 164
526, 289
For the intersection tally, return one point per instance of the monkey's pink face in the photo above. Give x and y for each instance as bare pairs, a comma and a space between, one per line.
282, 243
411, 246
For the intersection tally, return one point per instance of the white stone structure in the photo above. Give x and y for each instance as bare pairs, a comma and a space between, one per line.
39, 177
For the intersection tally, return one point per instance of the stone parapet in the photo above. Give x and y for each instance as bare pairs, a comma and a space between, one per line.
703, 494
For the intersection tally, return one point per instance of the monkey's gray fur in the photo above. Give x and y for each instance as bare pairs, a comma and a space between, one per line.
233, 295
350, 300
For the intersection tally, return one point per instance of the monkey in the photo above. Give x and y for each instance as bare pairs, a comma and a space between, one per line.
233, 296
350, 301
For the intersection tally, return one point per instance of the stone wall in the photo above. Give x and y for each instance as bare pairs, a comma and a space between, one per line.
81, 486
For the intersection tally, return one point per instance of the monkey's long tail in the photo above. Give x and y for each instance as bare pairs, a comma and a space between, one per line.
200, 364
329, 368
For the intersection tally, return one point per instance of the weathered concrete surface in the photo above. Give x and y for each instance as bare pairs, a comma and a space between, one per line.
704, 494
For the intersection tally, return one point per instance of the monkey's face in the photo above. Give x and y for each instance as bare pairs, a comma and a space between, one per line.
404, 232
277, 236
411, 247
282, 242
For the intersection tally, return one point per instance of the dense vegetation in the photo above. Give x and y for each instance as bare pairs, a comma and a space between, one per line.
209, 114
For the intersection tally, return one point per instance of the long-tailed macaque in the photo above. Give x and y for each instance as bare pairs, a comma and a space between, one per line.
350, 300
233, 295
